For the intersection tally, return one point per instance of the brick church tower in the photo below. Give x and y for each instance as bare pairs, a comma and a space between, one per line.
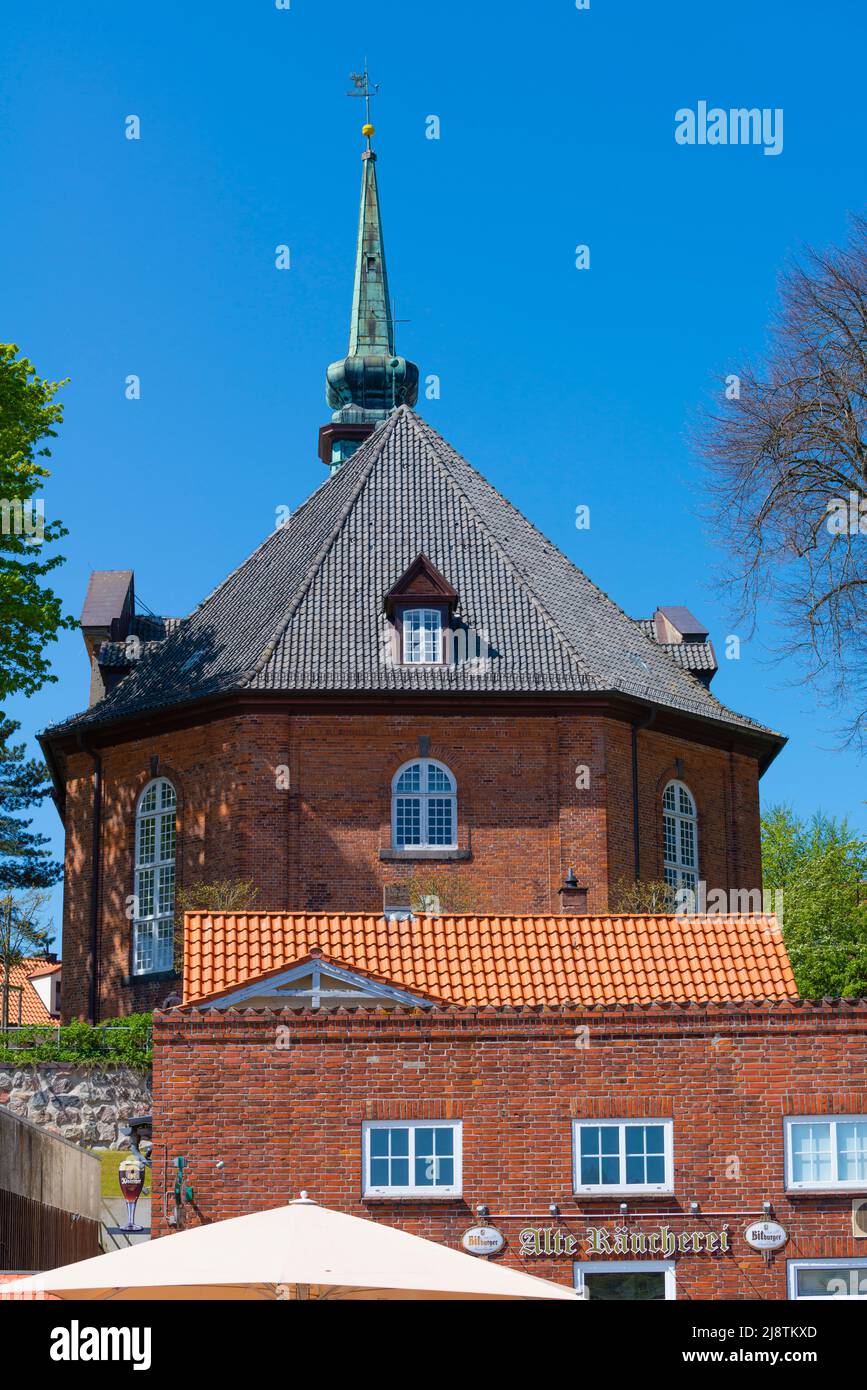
405, 682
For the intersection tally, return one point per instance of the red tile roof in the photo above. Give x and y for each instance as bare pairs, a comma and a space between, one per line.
32, 1008
502, 961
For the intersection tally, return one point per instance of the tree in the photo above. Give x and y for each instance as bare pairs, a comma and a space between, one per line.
24, 860
786, 463
220, 895
821, 867
21, 936
653, 897
31, 614
439, 893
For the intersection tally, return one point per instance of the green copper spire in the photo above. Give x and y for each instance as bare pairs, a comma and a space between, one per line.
372, 329
367, 385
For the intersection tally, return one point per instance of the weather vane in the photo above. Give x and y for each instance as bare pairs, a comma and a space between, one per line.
364, 90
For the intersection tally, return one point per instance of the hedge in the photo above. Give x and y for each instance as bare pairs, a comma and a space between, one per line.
118, 1042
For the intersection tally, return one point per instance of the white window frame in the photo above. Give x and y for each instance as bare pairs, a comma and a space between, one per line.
623, 1189
833, 1184
413, 611
666, 1267
424, 798
151, 923
676, 872
840, 1262
411, 1190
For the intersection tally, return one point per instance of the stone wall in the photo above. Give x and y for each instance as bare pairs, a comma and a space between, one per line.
81, 1104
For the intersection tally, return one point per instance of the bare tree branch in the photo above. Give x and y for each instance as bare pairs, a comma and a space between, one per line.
786, 466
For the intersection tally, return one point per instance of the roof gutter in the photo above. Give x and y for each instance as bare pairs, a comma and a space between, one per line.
58, 794
644, 723
95, 874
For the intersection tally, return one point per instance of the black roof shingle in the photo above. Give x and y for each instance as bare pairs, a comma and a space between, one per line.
305, 611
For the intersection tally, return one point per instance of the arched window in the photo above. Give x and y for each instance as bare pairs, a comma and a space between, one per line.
153, 925
424, 806
679, 836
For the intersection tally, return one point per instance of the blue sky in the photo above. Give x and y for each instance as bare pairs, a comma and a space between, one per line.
564, 387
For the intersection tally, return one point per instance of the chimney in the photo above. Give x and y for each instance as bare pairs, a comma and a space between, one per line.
678, 625
573, 898
108, 607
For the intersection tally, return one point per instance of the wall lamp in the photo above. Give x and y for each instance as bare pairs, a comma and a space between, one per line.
482, 1210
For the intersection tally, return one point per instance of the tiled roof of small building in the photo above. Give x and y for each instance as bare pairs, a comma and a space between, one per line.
305, 611
21, 990
500, 961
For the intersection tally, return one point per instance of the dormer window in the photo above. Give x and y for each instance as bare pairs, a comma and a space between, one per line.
422, 630
420, 606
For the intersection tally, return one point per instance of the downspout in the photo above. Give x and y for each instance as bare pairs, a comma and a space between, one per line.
636, 834
95, 870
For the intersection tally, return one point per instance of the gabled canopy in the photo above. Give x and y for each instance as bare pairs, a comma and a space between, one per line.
422, 580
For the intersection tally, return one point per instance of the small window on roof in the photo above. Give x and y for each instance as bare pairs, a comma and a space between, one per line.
422, 636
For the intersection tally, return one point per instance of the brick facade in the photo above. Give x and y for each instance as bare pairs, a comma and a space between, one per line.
283, 1119
523, 817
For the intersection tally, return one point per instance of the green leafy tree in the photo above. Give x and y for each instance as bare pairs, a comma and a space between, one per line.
31, 614
21, 935
24, 859
821, 867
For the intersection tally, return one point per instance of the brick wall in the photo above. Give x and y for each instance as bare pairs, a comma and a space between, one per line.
525, 817
283, 1120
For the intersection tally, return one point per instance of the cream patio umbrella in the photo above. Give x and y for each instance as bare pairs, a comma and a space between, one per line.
298, 1251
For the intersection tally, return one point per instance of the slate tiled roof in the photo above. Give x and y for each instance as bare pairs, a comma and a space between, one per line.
305, 611
497, 961
21, 990
692, 656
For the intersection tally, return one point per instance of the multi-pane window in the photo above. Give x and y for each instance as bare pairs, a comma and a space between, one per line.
422, 636
679, 836
840, 1278
153, 925
415, 1158
626, 1281
826, 1152
424, 806
623, 1155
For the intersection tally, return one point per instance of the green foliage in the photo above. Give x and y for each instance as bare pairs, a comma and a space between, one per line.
117, 1042
440, 892
24, 860
31, 614
821, 866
